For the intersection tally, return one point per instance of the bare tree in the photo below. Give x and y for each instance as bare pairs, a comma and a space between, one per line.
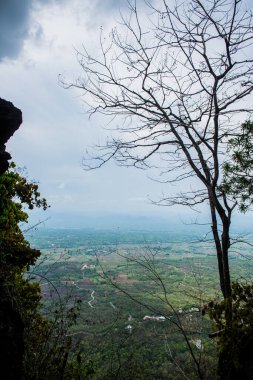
179, 88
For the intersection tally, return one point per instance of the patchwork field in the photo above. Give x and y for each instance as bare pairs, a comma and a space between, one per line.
141, 301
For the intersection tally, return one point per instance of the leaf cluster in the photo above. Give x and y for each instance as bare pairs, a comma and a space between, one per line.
235, 339
16, 193
238, 171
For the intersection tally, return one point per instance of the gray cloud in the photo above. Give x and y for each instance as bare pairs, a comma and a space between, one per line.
15, 21
14, 18
14, 25
110, 4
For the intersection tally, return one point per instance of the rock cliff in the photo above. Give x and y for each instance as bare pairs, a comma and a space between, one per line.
10, 121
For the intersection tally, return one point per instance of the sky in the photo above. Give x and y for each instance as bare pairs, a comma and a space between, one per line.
38, 42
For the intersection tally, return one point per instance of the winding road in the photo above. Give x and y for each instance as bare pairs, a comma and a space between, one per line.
92, 298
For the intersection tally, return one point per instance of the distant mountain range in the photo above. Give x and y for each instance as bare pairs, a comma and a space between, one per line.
142, 222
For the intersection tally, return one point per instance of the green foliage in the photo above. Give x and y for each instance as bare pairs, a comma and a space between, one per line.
238, 172
50, 351
16, 255
235, 339
16, 193
20, 299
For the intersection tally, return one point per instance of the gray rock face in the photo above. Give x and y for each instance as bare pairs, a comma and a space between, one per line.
10, 121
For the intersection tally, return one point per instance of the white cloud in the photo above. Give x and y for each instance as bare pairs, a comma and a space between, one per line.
61, 186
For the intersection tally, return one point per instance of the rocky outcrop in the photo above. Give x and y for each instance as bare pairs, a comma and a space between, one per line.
10, 121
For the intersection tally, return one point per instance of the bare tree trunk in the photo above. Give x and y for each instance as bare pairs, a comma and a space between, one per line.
221, 245
225, 248
226, 369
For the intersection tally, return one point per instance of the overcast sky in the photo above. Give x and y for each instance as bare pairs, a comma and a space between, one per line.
38, 39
